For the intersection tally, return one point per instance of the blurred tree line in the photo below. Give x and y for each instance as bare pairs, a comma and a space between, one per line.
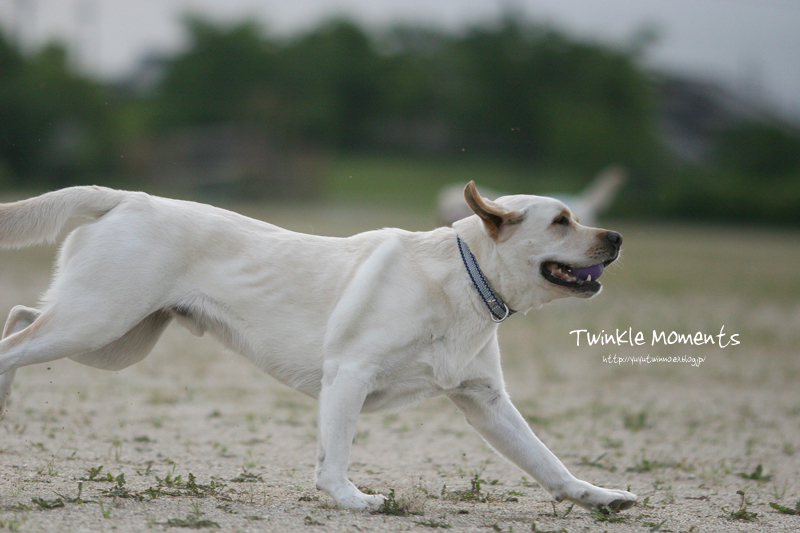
238, 100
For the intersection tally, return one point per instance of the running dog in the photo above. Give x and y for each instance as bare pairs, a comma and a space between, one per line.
378, 320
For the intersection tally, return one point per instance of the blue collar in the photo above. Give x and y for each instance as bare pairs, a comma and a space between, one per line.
497, 307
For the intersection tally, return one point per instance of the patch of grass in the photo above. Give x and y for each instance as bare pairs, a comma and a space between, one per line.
392, 507
555, 511
190, 487
48, 504
77, 499
786, 510
607, 514
474, 494
597, 464
168, 486
756, 475
247, 477
742, 514
119, 491
94, 474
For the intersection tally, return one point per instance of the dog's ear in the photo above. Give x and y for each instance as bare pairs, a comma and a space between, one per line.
496, 218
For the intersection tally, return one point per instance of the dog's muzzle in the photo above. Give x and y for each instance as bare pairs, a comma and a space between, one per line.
582, 279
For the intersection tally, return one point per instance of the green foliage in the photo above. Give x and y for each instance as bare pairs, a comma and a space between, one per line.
606, 514
515, 100
48, 504
786, 510
214, 79
247, 477
756, 475
741, 514
518, 90
54, 124
392, 507
765, 151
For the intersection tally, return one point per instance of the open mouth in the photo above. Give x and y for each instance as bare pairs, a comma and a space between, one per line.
580, 279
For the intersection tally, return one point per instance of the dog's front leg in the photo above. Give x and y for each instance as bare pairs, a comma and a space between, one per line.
344, 388
488, 409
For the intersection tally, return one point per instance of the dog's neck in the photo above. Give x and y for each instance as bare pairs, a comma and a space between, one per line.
498, 309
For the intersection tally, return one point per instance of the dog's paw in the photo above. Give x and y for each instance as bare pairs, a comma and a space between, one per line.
362, 502
602, 500
347, 496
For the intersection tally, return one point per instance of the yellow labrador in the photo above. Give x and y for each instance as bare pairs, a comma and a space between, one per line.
376, 320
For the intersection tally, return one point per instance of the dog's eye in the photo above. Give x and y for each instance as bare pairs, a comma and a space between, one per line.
561, 221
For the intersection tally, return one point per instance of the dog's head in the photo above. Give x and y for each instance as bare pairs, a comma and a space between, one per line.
536, 250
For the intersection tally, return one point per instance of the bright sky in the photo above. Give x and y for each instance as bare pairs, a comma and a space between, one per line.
753, 46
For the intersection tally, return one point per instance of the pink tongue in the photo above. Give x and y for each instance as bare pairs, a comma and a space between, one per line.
584, 273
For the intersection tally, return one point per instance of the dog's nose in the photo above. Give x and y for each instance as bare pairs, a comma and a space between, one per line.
614, 238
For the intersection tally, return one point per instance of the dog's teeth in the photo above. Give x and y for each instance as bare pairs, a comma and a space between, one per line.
589, 277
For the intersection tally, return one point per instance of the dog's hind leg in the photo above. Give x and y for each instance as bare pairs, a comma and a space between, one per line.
61, 331
21, 347
131, 348
18, 319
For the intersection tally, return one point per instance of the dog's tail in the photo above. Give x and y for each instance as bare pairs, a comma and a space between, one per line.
39, 220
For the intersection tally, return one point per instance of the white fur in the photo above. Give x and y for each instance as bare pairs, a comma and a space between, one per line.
378, 320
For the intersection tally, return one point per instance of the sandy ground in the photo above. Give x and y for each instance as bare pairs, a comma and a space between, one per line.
687, 439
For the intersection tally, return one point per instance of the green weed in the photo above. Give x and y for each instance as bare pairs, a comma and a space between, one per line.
742, 514
756, 475
597, 464
392, 507
786, 510
555, 511
474, 494
247, 477
607, 514
48, 504
106, 512
77, 499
